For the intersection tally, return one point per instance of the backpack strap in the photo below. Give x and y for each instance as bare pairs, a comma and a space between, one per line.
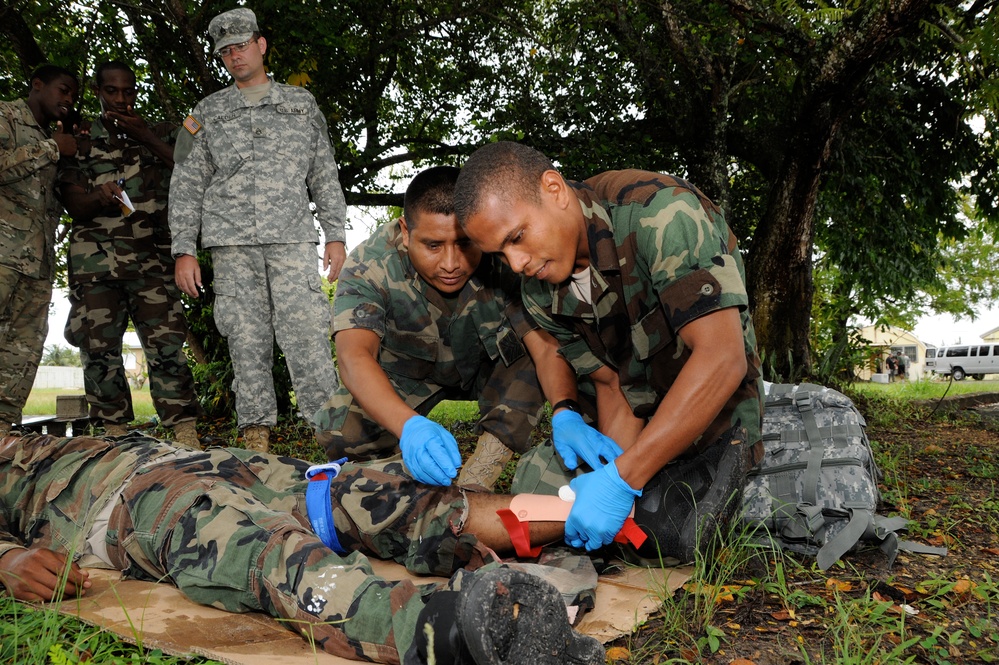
886, 529
866, 525
809, 492
805, 522
838, 434
859, 524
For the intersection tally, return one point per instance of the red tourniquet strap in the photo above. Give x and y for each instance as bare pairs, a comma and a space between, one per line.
631, 533
520, 534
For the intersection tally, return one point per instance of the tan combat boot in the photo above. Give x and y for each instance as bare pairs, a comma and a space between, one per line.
486, 463
257, 437
185, 435
4, 429
114, 429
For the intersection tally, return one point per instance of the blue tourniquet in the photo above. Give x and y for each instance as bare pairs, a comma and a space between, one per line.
317, 502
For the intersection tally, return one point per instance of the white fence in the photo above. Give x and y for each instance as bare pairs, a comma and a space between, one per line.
59, 377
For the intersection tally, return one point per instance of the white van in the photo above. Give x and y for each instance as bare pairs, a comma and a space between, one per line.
974, 360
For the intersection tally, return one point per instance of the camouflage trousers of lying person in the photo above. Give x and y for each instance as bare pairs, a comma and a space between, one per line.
98, 318
230, 529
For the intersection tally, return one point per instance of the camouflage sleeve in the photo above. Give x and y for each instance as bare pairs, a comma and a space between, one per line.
324, 182
192, 172
72, 172
167, 132
361, 298
76, 170
19, 162
691, 257
8, 543
520, 320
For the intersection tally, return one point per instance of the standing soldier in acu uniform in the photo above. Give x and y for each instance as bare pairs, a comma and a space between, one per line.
120, 265
29, 215
250, 159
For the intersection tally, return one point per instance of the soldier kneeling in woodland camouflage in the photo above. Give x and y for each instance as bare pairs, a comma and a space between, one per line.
248, 531
420, 315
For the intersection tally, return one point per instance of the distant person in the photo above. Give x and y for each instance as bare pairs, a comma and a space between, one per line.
29, 216
891, 362
420, 316
903, 364
120, 266
251, 160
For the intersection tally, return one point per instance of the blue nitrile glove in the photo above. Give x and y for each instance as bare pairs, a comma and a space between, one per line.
429, 451
603, 502
573, 439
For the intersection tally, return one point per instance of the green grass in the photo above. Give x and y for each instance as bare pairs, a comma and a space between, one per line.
925, 388
449, 412
42, 402
33, 636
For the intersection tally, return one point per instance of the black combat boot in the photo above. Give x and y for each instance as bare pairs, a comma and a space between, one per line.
690, 500
500, 617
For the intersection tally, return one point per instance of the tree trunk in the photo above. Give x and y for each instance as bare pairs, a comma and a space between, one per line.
779, 265
14, 28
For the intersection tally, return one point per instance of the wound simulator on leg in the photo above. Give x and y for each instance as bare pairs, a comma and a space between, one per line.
527, 508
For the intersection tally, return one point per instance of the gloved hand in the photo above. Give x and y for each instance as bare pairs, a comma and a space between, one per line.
573, 439
429, 451
603, 502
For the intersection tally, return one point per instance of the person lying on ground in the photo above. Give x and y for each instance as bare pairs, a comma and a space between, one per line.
243, 531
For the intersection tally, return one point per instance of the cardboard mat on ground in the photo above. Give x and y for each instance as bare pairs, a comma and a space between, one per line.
160, 617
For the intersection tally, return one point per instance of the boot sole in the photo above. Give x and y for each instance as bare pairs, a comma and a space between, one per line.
509, 617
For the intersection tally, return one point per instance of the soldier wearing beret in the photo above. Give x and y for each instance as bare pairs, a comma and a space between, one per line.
29, 215
641, 281
120, 266
250, 160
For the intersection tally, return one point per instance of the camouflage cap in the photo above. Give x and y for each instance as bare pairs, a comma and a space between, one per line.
233, 27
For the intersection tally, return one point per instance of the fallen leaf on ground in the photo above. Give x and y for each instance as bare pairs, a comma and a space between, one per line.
618, 653
839, 585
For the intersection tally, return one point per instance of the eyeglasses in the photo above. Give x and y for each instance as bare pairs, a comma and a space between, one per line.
226, 51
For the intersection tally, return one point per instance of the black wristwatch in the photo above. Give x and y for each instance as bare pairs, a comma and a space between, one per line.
570, 404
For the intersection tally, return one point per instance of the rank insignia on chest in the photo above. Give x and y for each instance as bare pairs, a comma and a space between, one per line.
192, 125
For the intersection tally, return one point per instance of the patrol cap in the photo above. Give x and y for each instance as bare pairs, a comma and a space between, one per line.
233, 27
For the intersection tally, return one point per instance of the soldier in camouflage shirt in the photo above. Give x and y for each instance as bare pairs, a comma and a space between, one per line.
640, 279
120, 265
233, 529
419, 317
250, 160
29, 215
